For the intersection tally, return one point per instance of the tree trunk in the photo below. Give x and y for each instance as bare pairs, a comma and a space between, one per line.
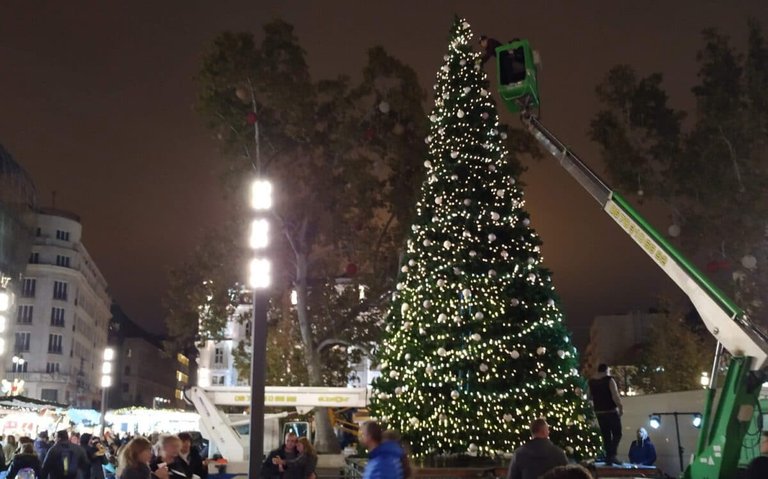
325, 440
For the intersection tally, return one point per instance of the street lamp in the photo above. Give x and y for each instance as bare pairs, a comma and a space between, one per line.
106, 382
259, 279
655, 422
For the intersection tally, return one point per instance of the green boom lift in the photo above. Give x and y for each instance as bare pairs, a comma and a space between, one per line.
725, 421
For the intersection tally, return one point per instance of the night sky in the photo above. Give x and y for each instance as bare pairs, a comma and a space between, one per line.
96, 102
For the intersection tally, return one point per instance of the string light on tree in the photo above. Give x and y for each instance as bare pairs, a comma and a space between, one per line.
485, 349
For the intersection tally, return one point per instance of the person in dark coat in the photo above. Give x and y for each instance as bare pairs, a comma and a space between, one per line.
537, 457
42, 445
642, 451
26, 459
191, 455
65, 460
489, 46
385, 458
96, 455
758, 468
170, 447
303, 467
270, 469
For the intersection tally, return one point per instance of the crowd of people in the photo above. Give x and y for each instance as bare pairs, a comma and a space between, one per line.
84, 456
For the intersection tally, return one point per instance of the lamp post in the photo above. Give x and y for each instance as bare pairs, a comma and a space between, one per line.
655, 422
259, 279
106, 383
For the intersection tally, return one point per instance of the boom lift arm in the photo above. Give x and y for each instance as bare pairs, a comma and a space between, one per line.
724, 428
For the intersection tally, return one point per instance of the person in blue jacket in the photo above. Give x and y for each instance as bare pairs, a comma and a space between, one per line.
642, 451
385, 458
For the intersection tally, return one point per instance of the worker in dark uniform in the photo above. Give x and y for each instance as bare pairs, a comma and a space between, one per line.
608, 408
511, 62
489, 46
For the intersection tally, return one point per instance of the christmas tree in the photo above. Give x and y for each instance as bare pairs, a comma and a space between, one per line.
475, 346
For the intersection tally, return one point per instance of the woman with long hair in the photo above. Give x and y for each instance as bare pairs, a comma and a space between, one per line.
303, 467
133, 462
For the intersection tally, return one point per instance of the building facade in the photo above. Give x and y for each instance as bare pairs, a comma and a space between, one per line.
62, 316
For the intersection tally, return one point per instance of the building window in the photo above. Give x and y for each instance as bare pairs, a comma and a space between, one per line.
182, 359
128, 352
60, 290
217, 380
54, 343
57, 317
20, 367
34, 258
218, 356
49, 395
39, 232
127, 371
62, 260
22, 341
181, 377
125, 387
179, 394
24, 314
28, 288
52, 368
62, 235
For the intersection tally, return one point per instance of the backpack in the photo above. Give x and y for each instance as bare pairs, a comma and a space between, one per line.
26, 473
69, 462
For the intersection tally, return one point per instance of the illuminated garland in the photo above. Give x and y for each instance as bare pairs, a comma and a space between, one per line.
475, 345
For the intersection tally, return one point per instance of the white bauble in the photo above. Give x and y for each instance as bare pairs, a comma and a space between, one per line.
455, 394
404, 307
560, 392
479, 315
441, 282
456, 270
407, 325
674, 230
476, 337
504, 254
491, 273
531, 260
472, 253
503, 135
578, 391
383, 396
454, 177
404, 269
414, 421
457, 319
514, 354
569, 450
532, 277
442, 352
429, 370
447, 244
411, 262
422, 331
550, 302
393, 374
467, 89
427, 304
467, 202
542, 374
472, 448
427, 139
466, 293
483, 92
399, 286
749, 262
460, 113
446, 57
514, 302
541, 350
561, 353
407, 356
484, 115
526, 222
432, 118
427, 243
442, 317
428, 164
415, 227
500, 193
462, 62
454, 154
398, 390
491, 237
483, 367
438, 200
507, 417
495, 216
384, 107
442, 417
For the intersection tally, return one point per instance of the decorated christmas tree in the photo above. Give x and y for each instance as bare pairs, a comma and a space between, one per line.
475, 346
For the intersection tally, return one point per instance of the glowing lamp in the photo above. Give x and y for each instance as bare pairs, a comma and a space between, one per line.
696, 421
3, 323
5, 300
261, 195
259, 237
260, 273
109, 354
655, 421
106, 368
106, 381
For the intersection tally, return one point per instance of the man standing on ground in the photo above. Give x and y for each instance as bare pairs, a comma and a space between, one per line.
538, 456
65, 460
385, 458
758, 468
42, 445
608, 409
271, 469
191, 455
